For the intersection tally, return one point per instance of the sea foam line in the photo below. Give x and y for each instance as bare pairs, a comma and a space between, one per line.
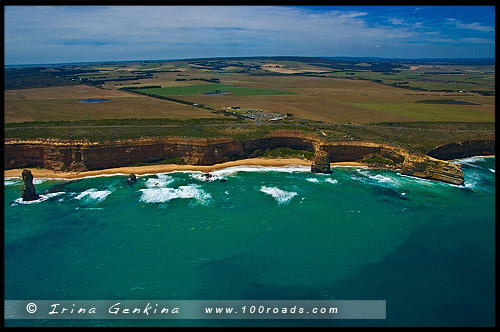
42, 198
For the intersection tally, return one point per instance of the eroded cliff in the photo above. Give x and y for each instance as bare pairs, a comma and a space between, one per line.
463, 149
82, 156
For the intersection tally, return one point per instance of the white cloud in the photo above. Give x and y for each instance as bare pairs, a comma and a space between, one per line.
470, 26
479, 41
182, 31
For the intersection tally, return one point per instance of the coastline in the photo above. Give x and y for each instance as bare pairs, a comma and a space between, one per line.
153, 169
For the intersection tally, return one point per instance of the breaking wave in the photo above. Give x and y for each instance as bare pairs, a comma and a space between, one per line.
202, 177
162, 180
94, 194
285, 169
281, 196
162, 195
378, 179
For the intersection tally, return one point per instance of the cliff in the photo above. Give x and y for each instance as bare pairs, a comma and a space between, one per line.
463, 149
82, 156
434, 169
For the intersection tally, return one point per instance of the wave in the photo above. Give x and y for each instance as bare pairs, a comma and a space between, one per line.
94, 194
330, 180
162, 195
471, 159
17, 181
202, 177
281, 196
162, 180
255, 168
12, 181
42, 198
378, 179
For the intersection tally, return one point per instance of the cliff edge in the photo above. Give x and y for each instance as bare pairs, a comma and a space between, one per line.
82, 156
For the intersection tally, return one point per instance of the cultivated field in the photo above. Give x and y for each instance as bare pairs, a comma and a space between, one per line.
342, 99
62, 103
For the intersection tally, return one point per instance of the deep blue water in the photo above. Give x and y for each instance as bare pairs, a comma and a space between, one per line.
425, 247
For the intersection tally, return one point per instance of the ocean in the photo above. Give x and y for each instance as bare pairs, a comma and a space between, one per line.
259, 233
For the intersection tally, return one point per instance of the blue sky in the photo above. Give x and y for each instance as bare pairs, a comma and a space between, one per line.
61, 34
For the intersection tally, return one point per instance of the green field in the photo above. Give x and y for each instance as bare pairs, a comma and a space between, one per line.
430, 112
192, 90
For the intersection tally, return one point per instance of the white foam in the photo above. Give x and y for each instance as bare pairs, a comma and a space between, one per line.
471, 159
42, 198
162, 195
281, 196
384, 179
491, 170
379, 178
314, 180
201, 177
255, 168
330, 180
162, 180
94, 194
11, 181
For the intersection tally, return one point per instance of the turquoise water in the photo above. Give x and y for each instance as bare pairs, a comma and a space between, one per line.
425, 247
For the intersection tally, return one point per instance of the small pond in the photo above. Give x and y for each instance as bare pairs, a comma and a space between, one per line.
94, 100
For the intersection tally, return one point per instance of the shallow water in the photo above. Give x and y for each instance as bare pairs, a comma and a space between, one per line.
266, 233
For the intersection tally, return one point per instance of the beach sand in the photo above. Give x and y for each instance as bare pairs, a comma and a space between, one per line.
152, 169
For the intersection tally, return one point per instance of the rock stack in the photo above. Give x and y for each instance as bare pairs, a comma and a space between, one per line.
321, 162
131, 178
28, 193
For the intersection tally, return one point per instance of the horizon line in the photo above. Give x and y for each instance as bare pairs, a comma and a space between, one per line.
247, 57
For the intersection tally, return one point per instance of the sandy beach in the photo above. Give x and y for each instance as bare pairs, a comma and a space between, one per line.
139, 170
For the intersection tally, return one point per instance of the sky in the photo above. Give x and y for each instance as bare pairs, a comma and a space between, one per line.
67, 34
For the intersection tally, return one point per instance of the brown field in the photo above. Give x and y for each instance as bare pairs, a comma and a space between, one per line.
332, 100
327, 99
61, 103
64, 92
283, 70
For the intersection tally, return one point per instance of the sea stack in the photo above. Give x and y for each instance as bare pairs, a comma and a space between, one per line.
131, 178
28, 193
321, 162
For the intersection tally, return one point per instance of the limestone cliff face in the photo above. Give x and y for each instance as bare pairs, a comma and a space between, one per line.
82, 156
357, 150
430, 168
463, 149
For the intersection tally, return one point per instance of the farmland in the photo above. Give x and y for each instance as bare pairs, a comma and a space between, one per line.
345, 99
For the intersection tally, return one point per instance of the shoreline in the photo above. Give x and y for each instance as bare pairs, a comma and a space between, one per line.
153, 169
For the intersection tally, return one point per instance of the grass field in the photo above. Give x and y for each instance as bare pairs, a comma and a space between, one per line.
209, 88
62, 103
432, 112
